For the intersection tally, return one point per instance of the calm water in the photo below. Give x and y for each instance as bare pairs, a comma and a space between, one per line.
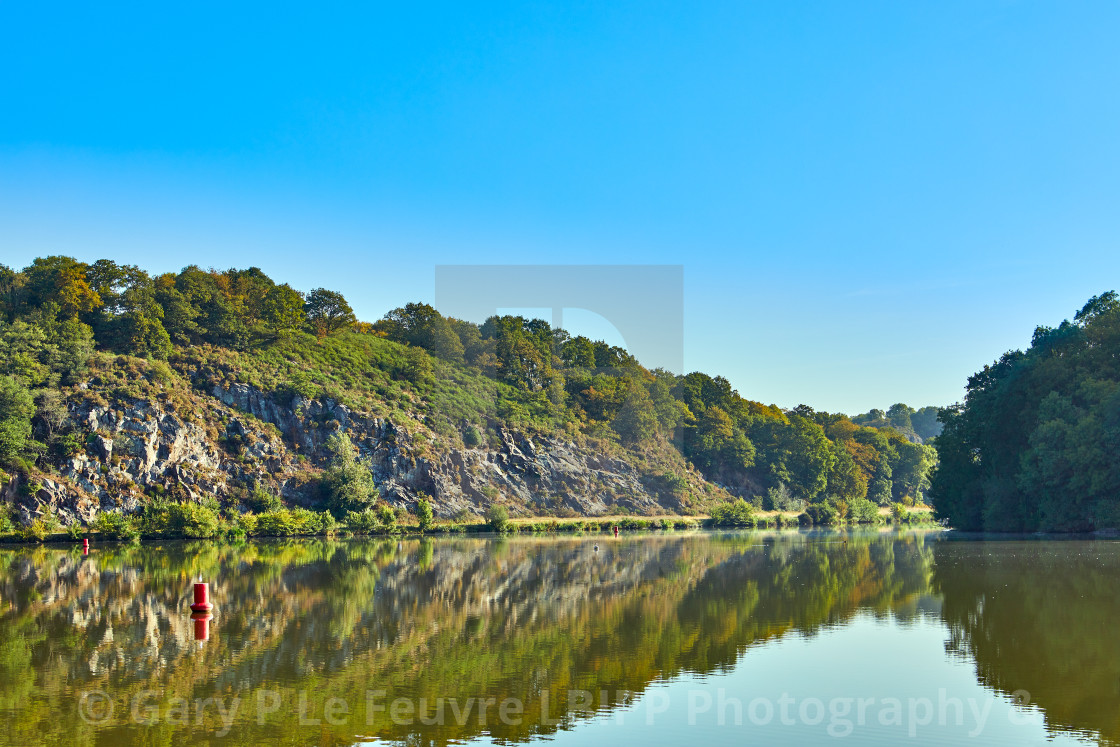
789, 638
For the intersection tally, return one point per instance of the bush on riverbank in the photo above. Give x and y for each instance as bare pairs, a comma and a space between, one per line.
733, 514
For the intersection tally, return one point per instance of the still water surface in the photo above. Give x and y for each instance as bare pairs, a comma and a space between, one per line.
780, 638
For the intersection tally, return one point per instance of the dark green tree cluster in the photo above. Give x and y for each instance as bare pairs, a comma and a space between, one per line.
920, 426
1036, 443
129, 311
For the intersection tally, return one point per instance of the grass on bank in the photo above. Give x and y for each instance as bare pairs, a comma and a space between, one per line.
164, 519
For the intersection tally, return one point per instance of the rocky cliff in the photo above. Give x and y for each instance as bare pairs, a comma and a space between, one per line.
234, 438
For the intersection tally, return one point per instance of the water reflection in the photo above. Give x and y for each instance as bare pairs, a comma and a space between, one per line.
304, 627
1039, 617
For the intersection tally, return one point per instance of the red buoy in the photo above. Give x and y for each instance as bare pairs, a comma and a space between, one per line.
201, 598
616, 531
85, 546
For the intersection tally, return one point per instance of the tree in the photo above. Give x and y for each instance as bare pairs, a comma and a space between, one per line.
327, 311
61, 281
16, 409
421, 325
347, 483
497, 517
1036, 443
844, 477
424, 515
636, 420
283, 311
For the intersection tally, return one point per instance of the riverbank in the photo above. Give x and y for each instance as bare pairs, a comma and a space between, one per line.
185, 521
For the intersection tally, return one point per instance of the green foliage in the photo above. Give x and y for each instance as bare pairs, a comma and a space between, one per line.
347, 484
424, 515
327, 311
497, 517
290, 522
779, 498
821, 514
117, 526
471, 437
386, 516
737, 513
1036, 444
261, 501
362, 522
16, 409
636, 420
862, 511
166, 519
7, 520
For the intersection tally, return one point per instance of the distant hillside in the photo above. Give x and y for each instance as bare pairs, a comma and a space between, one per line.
118, 388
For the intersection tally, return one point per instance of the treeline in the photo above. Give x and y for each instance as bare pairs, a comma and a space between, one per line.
57, 311
786, 459
920, 426
1036, 443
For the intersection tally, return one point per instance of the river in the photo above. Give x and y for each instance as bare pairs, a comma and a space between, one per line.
870, 637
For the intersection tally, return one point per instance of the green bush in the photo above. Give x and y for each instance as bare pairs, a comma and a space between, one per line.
862, 511
115, 525
162, 518
7, 523
387, 516
424, 515
290, 522
362, 522
261, 501
347, 484
779, 498
471, 437
498, 518
733, 514
820, 514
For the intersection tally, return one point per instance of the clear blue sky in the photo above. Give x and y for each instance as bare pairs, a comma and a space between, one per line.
870, 199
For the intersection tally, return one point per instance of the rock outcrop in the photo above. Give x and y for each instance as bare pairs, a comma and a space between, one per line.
239, 438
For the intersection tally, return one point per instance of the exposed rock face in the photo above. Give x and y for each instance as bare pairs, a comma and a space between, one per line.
144, 447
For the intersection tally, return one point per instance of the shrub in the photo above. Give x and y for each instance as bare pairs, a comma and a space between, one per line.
424, 515
7, 524
498, 518
261, 501
347, 483
733, 514
161, 518
471, 437
820, 514
288, 522
246, 523
362, 522
193, 520
779, 498
898, 513
115, 525
862, 511
387, 516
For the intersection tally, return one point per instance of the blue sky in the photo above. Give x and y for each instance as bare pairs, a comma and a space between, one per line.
870, 199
